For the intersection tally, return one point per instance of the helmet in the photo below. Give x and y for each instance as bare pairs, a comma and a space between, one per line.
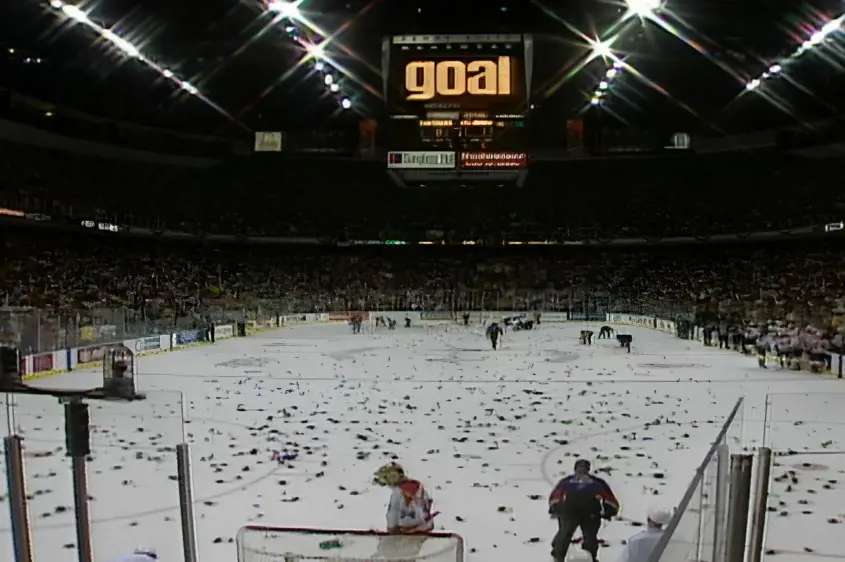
389, 475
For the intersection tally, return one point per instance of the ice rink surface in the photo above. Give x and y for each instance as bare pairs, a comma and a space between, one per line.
487, 432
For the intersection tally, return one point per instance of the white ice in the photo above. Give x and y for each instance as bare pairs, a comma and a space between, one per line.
487, 432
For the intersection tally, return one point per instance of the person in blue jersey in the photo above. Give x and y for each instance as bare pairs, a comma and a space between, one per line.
581, 499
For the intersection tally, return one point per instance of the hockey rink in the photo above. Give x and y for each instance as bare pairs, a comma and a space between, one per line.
487, 432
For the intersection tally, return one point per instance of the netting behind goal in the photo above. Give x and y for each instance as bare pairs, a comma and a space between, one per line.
288, 544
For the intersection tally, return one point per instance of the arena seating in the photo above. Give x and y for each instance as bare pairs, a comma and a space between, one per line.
59, 266
352, 198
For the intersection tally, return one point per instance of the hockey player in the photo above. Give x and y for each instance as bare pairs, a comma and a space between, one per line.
391, 324
762, 345
625, 341
605, 332
586, 337
140, 555
494, 332
409, 509
356, 321
466, 318
580, 500
407, 321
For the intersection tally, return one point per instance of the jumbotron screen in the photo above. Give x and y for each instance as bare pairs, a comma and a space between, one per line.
456, 72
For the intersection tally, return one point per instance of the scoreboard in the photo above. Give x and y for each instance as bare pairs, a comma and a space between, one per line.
457, 106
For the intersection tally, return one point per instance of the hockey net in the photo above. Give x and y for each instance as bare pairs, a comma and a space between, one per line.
288, 544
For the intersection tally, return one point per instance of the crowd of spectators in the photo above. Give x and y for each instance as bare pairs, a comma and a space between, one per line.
801, 280
79, 274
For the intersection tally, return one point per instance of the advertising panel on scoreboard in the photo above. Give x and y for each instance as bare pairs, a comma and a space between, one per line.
485, 76
421, 160
493, 160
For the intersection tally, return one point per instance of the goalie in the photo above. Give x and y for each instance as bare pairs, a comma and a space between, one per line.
409, 508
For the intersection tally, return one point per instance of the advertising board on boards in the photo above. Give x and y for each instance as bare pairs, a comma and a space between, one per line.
421, 160
493, 160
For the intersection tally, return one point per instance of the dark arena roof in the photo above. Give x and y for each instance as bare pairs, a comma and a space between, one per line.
287, 119
686, 65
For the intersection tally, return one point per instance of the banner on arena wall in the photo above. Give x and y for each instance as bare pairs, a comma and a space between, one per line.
288, 319
148, 344
92, 353
223, 332
585, 316
347, 316
494, 160
436, 315
41, 363
421, 160
554, 317
188, 337
322, 317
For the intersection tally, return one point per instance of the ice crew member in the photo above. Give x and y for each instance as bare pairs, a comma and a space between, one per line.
580, 500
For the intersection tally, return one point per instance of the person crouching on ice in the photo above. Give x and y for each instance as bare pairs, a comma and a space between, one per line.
640, 546
409, 508
494, 332
580, 500
605, 332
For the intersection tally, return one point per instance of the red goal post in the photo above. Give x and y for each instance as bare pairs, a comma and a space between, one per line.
256, 543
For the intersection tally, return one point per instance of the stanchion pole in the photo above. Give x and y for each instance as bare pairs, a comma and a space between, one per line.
740, 492
723, 460
761, 502
18, 508
186, 502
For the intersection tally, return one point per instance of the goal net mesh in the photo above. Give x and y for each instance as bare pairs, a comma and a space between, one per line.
280, 544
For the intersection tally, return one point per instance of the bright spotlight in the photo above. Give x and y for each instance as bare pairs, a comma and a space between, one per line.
319, 65
328, 79
334, 87
643, 7
316, 51
345, 103
284, 8
603, 48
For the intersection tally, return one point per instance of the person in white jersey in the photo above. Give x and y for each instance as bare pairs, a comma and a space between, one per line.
641, 545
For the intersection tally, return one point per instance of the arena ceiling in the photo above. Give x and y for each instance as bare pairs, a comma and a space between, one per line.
247, 64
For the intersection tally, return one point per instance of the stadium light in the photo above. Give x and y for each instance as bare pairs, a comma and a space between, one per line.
815, 40
643, 8
285, 9
76, 14
345, 103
